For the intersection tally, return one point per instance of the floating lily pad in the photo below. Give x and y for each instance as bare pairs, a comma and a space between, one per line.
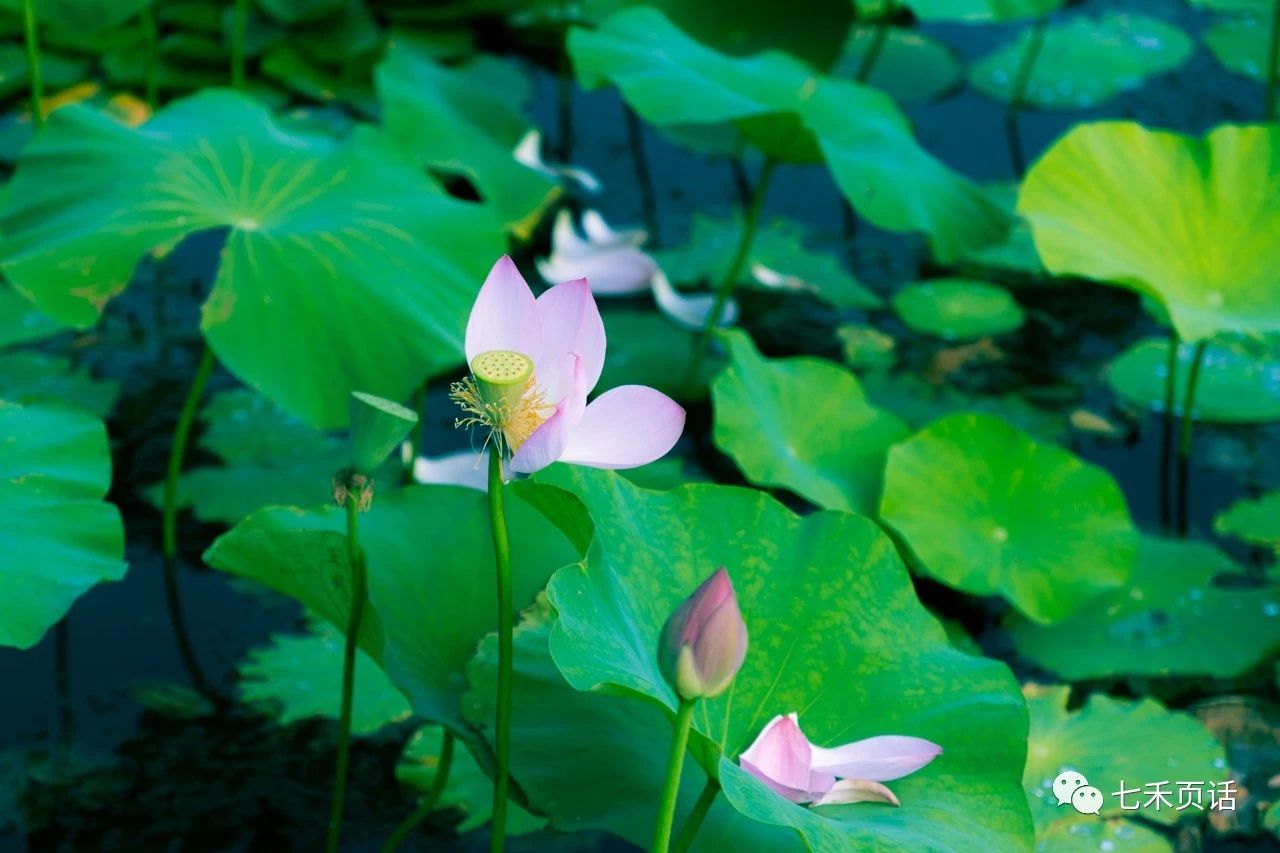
646, 348
462, 120
1238, 382
468, 789
803, 424
1254, 521
837, 634
989, 510
957, 309
1113, 742
20, 321
429, 607
1084, 62
58, 538
778, 259
1187, 221
908, 65
980, 11
32, 377
326, 243
793, 115
1172, 619
1242, 45
299, 676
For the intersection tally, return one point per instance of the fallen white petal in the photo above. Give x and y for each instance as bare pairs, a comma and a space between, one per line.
690, 311
857, 791
464, 468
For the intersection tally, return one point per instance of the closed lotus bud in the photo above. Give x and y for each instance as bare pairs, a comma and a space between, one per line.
705, 641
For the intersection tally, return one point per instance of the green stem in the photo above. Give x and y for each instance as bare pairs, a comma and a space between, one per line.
32, 39
355, 557
671, 788
1023, 76
428, 804
178, 452
502, 726
151, 37
1273, 56
1184, 438
239, 27
869, 59
1166, 434
694, 821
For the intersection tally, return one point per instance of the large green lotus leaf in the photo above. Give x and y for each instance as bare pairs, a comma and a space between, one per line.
908, 65
1187, 221
1242, 45
467, 789
980, 11
1089, 834
791, 113
1188, 610
1238, 382
957, 309
1113, 741
815, 36
289, 68
33, 377
328, 242
990, 510
803, 424
58, 537
1084, 62
299, 676
779, 246
20, 321
431, 605
1254, 521
458, 120
837, 634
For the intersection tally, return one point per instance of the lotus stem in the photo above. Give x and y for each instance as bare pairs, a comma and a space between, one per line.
355, 557
502, 725
644, 177
671, 787
564, 88
151, 36
1018, 93
31, 39
1184, 439
1166, 434
878, 39
428, 804
239, 29
694, 821
1273, 56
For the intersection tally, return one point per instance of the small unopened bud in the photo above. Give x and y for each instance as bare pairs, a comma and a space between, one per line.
705, 641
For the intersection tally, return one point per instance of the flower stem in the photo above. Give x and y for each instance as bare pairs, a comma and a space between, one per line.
1184, 438
355, 557
151, 37
178, 452
644, 177
502, 726
1273, 56
1023, 76
31, 38
239, 27
428, 804
671, 788
694, 821
1166, 434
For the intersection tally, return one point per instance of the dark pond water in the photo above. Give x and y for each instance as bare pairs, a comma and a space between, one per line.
142, 780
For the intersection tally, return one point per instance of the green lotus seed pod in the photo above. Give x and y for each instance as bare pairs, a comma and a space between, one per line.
377, 427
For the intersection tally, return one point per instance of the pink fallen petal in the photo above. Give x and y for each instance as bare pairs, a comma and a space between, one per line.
780, 755
795, 795
505, 315
857, 791
878, 759
625, 427
570, 324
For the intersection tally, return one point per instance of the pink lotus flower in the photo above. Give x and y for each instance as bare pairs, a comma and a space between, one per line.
533, 363
784, 759
705, 641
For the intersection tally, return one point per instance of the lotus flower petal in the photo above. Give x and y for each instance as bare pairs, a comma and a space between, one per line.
549, 441
857, 791
689, 311
528, 151
571, 324
505, 315
780, 756
879, 759
625, 427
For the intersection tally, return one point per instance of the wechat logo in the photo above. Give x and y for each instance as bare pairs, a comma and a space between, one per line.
1071, 787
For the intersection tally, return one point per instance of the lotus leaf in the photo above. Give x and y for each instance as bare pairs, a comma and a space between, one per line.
1239, 383
957, 309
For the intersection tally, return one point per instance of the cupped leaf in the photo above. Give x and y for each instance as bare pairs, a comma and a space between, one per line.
1115, 743
989, 510
791, 114
836, 633
957, 309
33, 377
803, 424
328, 242
299, 676
980, 11
908, 65
58, 538
1256, 521
1239, 383
1084, 62
1188, 610
430, 605
1186, 221
462, 120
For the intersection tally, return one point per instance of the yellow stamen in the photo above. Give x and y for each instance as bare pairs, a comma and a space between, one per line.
503, 396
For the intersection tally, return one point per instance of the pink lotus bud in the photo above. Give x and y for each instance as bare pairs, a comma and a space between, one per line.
705, 641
